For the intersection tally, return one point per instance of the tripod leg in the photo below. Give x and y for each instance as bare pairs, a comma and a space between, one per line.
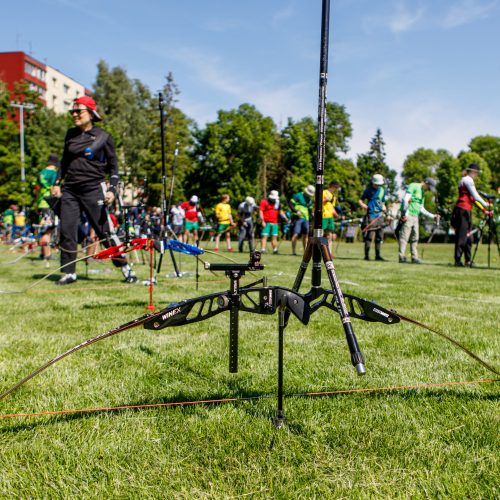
233, 338
480, 237
174, 262
279, 419
356, 356
301, 273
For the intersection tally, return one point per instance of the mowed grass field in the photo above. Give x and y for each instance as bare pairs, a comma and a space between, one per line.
438, 441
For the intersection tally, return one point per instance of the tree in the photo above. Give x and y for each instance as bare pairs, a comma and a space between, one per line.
299, 149
178, 129
131, 115
11, 187
466, 158
488, 147
344, 171
449, 173
230, 155
124, 105
338, 130
422, 163
299, 142
373, 162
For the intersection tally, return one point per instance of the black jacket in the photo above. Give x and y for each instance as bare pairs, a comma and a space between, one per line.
88, 158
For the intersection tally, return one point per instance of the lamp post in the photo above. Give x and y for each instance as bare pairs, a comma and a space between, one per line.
22, 107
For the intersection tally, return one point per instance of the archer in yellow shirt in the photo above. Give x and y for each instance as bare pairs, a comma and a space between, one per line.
224, 222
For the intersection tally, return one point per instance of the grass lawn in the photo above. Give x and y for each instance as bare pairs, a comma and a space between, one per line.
427, 442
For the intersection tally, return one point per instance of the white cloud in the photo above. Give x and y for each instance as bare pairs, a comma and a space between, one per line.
403, 20
467, 12
284, 13
414, 122
270, 98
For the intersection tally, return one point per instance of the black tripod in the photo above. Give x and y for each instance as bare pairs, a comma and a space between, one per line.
165, 226
488, 222
317, 244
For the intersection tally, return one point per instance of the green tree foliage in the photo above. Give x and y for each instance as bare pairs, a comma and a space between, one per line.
131, 114
178, 128
422, 163
299, 144
373, 162
338, 130
10, 164
483, 181
44, 135
299, 149
230, 153
35, 137
488, 147
449, 174
124, 104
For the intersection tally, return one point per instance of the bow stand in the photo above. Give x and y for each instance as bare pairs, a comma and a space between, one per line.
165, 226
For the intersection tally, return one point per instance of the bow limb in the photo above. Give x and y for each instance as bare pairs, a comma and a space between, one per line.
102, 336
367, 310
117, 250
453, 341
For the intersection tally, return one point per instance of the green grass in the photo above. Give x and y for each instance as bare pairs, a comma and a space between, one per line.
434, 442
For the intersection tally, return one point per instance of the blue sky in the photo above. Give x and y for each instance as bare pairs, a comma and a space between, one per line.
427, 72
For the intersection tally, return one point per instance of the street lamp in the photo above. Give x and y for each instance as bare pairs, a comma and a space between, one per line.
21, 108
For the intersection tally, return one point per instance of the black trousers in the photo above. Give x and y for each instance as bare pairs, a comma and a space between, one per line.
89, 200
376, 230
246, 233
462, 223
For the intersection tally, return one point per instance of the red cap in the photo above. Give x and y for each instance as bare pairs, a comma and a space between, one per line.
89, 103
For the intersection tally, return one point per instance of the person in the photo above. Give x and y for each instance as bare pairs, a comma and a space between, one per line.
89, 155
19, 229
330, 212
461, 219
373, 225
177, 214
269, 208
46, 179
245, 212
301, 204
191, 218
412, 205
224, 222
8, 221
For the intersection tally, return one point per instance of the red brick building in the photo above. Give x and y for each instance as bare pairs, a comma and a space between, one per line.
57, 90
18, 67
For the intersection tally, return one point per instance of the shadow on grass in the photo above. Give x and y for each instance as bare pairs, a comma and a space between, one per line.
130, 303
187, 403
56, 277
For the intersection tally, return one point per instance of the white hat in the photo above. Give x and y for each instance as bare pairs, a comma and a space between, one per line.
194, 199
378, 180
250, 201
309, 190
274, 195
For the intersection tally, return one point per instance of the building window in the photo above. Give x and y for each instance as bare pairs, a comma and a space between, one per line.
34, 71
66, 105
66, 88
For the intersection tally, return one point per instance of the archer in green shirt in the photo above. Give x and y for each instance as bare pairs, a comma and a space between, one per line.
412, 205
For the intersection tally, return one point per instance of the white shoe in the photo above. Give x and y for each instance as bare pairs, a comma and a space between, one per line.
67, 279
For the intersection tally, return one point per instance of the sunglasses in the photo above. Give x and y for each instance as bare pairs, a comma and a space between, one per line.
77, 111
